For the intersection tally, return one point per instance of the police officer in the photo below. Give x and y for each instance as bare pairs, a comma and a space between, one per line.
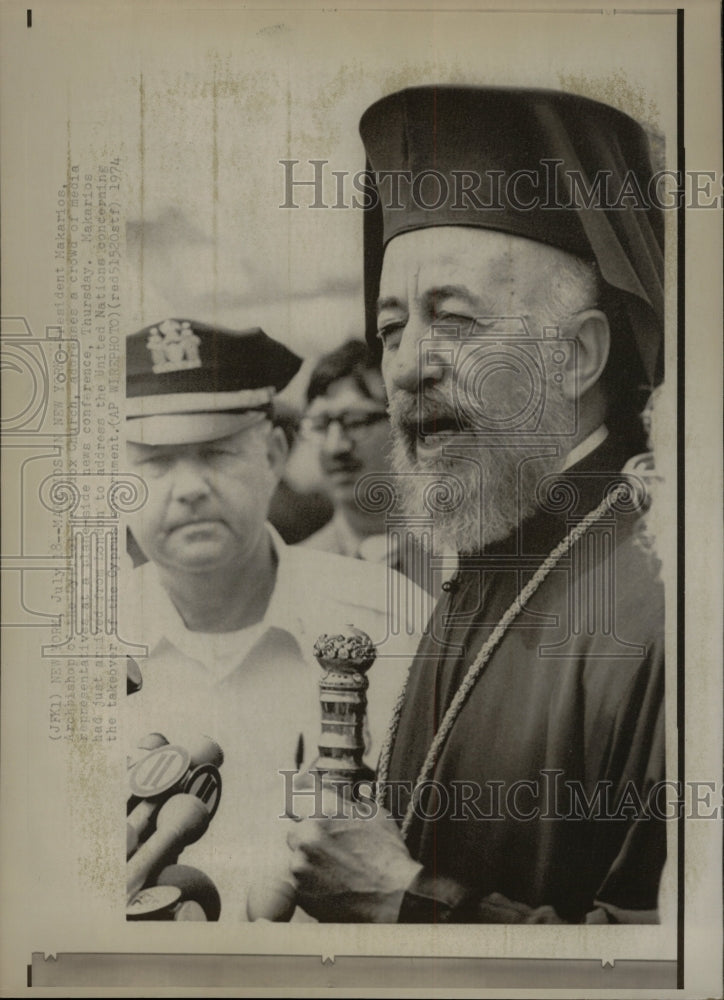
228, 612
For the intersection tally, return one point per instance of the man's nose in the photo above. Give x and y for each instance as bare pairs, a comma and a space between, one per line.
190, 481
336, 441
419, 361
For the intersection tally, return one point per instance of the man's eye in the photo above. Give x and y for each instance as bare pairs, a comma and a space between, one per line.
156, 465
356, 423
390, 334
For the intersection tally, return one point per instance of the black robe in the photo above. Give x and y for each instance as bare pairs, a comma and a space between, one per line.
540, 812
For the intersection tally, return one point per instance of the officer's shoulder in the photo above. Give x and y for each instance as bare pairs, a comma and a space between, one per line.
323, 540
343, 579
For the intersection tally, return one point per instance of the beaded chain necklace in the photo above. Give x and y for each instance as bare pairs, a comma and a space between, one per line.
481, 660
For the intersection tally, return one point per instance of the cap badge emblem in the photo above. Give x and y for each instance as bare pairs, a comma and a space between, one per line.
174, 346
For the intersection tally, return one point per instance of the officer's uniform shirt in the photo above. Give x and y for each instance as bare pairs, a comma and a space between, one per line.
255, 691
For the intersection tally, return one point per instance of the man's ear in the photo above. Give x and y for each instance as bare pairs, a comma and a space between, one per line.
277, 451
584, 366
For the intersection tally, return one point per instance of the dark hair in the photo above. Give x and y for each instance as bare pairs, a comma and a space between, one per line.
285, 416
352, 360
624, 380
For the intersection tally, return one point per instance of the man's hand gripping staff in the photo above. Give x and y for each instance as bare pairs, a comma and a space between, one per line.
342, 864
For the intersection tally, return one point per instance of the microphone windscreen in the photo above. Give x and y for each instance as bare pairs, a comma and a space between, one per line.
152, 741
154, 903
190, 910
134, 678
194, 885
160, 769
181, 820
132, 840
204, 750
275, 901
204, 782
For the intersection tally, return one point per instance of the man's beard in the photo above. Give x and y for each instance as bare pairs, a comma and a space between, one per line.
481, 485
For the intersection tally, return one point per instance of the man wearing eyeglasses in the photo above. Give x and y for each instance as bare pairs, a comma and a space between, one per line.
347, 420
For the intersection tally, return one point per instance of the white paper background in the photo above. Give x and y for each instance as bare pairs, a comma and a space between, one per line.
200, 103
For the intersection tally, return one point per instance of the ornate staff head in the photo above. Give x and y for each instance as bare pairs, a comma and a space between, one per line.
345, 658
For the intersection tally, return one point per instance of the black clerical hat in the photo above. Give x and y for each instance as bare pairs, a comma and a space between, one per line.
549, 166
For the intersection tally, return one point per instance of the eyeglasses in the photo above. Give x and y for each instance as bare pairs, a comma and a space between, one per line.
353, 425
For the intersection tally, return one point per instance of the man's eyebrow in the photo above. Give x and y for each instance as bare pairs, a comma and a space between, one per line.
442, 292
484, 307
149, 450
390, 302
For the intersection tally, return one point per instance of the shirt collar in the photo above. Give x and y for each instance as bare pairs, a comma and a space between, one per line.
347, 539
285, 596
162, 620
376, 548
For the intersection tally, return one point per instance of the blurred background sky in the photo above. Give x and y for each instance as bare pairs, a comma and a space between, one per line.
200, 105
217, 110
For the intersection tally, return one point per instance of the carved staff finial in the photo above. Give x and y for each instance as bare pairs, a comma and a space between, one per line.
345, 658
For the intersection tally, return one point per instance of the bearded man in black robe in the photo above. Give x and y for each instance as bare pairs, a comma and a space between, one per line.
515, 287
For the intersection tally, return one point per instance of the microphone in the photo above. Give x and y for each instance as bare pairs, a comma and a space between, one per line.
181, 821
166, 771
154, 903
189, 910
152, 741
180, 893
197, 891
134, 679
276, 902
